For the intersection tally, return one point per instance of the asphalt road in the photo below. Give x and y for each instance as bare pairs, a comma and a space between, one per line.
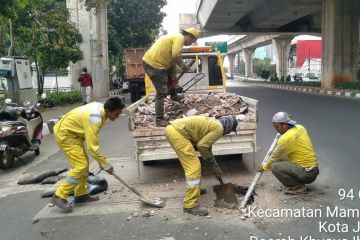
333, 124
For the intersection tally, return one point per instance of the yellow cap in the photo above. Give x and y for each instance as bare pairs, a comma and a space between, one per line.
193, 31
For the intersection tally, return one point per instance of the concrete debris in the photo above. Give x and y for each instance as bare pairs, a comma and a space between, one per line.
210, 105
148, 214
129, 218
136, 214
196, 229
167, 238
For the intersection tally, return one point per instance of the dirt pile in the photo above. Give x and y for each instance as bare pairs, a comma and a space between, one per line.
210, 105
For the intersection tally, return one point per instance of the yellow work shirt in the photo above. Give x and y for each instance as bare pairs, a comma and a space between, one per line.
84, 123
201, 131
294, 145
165, 52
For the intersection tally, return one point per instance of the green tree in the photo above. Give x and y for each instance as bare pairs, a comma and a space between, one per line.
241, 67
44, 33
133, 23
8, 13
264, 68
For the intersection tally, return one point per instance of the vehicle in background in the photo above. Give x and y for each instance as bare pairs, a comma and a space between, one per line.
229, 76
20, 131
133, 81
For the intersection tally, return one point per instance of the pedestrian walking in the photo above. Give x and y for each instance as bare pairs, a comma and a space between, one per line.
86, 85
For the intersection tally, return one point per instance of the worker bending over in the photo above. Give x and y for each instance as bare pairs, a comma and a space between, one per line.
160, 65
186, 135
293, 162
81, 125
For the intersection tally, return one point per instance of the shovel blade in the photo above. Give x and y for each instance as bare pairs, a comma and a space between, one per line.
156, 202
225, 193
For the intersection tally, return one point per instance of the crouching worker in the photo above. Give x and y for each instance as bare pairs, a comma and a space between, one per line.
81, 125
293, 162
186, 135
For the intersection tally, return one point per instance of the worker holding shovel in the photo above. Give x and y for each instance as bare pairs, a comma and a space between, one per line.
186, 135
81, 125
160, 65
293, 161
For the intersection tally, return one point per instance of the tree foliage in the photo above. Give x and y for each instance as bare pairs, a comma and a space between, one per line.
133, 23
95, 4
44, 33
9, 8
264, 68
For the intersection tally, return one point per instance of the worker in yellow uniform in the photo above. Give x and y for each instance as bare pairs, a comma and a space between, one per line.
293, 161
81, 125
160, 65
186, 135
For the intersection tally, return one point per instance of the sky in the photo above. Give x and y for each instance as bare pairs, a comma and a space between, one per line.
171, 21
173, 9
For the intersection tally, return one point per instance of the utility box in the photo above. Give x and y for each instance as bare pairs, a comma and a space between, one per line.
17, 72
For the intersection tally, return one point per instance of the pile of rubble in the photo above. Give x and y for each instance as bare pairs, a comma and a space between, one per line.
210, 105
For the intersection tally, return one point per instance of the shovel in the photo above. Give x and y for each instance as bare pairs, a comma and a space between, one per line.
225, 195
157, 202
257, 177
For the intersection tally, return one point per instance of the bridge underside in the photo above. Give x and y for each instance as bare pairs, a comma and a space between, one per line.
260, 16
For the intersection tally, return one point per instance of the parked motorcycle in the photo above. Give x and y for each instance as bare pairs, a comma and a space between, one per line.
20, 131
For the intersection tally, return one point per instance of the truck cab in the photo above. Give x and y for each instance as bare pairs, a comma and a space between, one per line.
206, 62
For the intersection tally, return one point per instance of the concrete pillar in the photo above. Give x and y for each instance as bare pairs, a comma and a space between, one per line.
231, 58
248, 58
93, 28
282, 47
340, 39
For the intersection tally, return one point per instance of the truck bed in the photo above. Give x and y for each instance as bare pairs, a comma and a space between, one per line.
151, 143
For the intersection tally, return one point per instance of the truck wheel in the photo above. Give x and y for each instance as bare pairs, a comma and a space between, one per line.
6, 160
134, 96
37, 152
149, 163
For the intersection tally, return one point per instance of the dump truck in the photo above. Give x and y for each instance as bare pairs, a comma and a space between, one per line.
150, 142
134, 72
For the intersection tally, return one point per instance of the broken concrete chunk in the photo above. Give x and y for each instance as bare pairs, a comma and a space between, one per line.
191, 112
210, 105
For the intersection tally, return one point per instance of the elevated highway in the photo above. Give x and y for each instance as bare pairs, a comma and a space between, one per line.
337, 21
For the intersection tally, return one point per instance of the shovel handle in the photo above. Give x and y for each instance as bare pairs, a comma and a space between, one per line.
221, 181
127, 185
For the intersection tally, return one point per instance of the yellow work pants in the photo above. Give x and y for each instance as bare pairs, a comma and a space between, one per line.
77, 176
190, 163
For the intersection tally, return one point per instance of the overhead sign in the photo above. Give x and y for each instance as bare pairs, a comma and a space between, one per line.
218, 46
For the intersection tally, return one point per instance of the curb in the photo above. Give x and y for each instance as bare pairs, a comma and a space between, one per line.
352, 94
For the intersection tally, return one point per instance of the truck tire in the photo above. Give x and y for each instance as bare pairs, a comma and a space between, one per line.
6, 160
135, 96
